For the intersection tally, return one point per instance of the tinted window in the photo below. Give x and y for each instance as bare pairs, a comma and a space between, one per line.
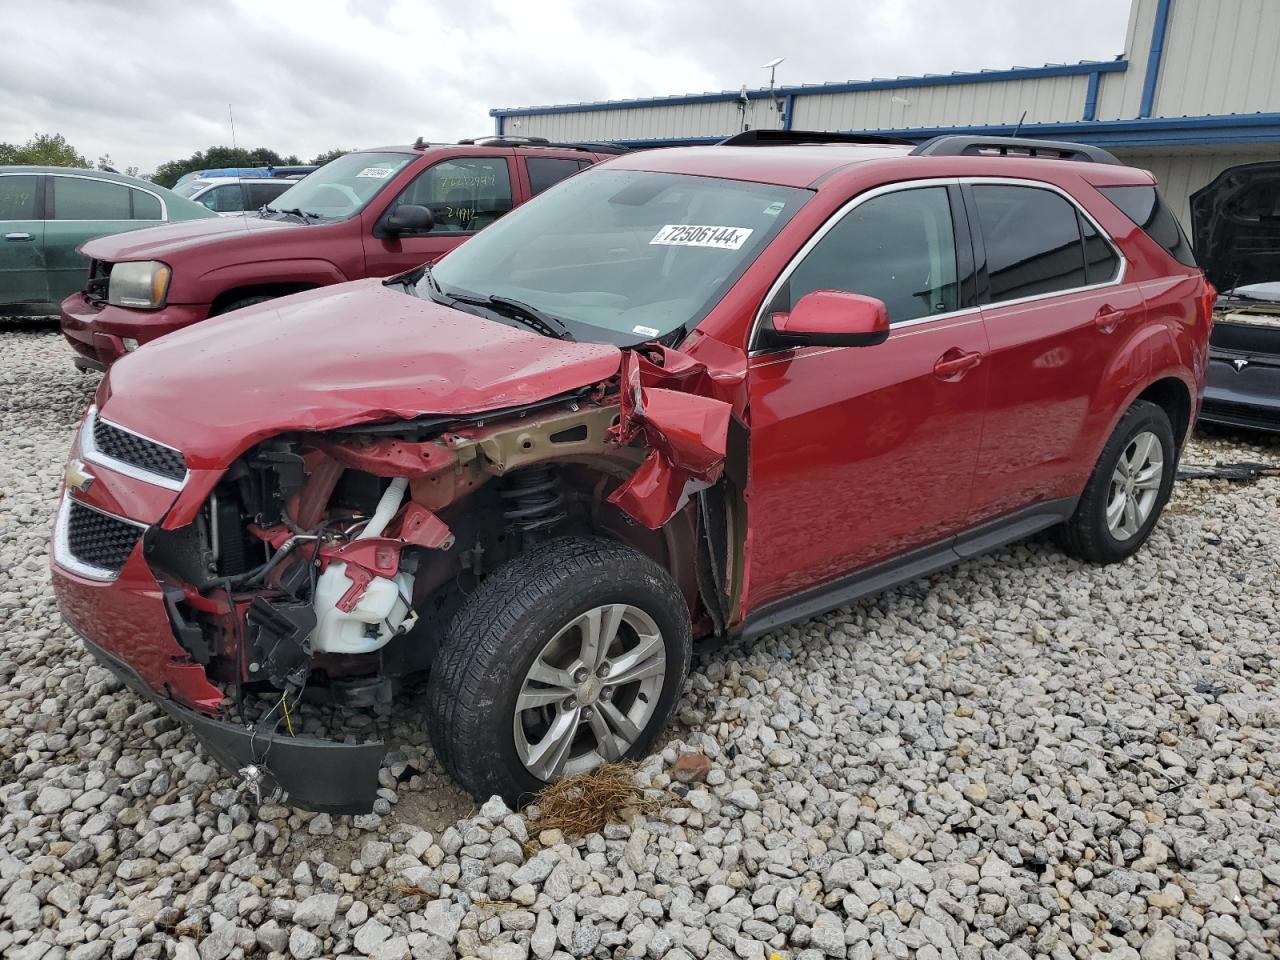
18, 198
547, 171
75, 198
465, 194
899, 247
1144, 206
224, 198
145, 206
1100, 260
1032, 240
256, 194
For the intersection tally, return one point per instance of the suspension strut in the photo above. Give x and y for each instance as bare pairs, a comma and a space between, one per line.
532, 498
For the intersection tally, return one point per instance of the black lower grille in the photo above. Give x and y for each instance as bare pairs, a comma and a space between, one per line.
99, 540
138, 451
96, 289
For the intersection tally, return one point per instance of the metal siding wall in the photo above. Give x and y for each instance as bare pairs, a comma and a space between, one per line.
1120, 94
1220, 57
683, 120
1044, 99
1181, 175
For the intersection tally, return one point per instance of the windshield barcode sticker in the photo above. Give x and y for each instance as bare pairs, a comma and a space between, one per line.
687, 235
377, 173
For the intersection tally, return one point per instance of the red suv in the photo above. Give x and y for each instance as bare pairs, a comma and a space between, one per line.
690, 395
371, 213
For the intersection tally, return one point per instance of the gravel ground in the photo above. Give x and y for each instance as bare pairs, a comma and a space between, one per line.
1023, 757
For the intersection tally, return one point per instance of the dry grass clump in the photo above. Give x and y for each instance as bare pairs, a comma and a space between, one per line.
584, 803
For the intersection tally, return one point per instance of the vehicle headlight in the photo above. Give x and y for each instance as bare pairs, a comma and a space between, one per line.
141, 283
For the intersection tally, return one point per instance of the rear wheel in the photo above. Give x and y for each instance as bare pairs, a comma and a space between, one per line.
1128, 490
569, 656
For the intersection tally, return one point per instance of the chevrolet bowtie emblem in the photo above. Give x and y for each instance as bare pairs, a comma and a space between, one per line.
1239, 364
79, 478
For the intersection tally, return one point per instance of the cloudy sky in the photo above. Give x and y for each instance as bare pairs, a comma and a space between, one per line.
150, 80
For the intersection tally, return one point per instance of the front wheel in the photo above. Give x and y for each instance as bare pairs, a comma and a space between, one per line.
568, 656
1128, 490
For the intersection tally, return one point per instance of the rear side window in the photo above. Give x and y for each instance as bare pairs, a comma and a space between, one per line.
1100, 261
256, 194
1033, 241
145, 206
18, 198
548, 171
78, 198
1144, 206
898, 247
224, 198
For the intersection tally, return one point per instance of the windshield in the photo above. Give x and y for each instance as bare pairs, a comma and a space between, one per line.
342, 187
621, 256
190, 187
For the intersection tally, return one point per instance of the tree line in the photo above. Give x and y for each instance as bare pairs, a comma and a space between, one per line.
53, 150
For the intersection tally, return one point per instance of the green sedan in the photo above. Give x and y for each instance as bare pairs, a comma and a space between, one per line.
47, 212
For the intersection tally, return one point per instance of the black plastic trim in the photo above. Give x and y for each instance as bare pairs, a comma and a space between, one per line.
954, 145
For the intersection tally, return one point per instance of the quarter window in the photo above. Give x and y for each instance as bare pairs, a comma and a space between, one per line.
1100, 260
548, 171
898, 247
1032, 239
18, 198
465, 194
145, 206
78, 198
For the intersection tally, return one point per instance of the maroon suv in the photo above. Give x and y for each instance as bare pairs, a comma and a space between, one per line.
371, 213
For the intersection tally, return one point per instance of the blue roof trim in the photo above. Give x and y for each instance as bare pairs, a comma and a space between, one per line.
941, 80
1091, 98
1153, 59
1142, 132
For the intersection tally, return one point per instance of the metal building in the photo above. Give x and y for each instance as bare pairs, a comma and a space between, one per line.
1197, 90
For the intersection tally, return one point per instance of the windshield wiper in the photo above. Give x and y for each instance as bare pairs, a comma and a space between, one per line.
296, 212
530, 316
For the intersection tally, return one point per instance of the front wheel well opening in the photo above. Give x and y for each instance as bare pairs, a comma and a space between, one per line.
1171, 395
266, 291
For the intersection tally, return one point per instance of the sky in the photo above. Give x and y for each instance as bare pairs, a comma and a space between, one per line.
147, 81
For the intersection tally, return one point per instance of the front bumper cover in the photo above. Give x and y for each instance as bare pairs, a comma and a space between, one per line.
97, 332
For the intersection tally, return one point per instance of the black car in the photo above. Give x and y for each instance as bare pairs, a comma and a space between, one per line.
1235, 221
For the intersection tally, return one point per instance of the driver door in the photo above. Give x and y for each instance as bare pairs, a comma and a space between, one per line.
464, 194
860, 455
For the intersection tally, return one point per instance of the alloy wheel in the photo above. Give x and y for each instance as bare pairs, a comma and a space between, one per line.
590, 692
1135, 485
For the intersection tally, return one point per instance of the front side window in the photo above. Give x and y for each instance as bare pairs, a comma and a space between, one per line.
465, 194
78, 198
1033, 242
224, 198
546, 172
898, 247
622, 256
18, 197
343, 187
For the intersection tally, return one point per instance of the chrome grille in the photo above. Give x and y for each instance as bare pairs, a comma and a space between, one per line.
99, 540
136, 451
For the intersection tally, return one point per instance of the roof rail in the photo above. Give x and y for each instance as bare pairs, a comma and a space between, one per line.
505, 141
771, 138
970, 146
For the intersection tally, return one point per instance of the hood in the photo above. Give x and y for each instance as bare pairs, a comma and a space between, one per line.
157, 243
1235, 225
333, 357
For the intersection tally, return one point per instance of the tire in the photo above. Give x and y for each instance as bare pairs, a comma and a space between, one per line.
1092, 535
240, 304
538, 607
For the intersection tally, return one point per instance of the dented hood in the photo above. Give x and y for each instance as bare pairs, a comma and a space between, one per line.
334, 357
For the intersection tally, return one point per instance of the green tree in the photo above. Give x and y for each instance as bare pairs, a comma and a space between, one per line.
323, 158
167, 174
44, 149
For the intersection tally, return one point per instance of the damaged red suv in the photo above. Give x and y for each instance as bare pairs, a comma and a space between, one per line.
689, 395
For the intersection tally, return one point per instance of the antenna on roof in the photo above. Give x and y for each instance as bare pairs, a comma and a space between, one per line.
772, 67
1018, 128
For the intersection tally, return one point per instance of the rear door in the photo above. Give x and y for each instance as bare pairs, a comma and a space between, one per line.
465, 194
1056, 310
80, 208
22, 266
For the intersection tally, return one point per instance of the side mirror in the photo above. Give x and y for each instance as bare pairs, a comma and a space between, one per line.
408, 218
831, 318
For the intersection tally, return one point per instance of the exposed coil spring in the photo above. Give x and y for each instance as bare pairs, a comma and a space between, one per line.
533, 498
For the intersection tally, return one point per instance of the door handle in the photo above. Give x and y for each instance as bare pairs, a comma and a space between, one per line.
17, 236
1108, 318
955, 363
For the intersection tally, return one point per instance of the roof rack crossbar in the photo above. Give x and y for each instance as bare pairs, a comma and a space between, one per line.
771, 138
508, 141
954, 145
